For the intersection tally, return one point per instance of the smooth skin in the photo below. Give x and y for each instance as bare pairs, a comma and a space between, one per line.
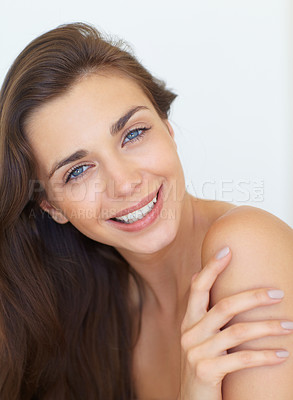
251, 318
228, 294
205, 361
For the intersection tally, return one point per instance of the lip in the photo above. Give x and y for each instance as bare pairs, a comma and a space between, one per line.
139, 205
143, 223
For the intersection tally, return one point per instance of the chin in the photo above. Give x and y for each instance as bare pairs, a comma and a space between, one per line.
155, 242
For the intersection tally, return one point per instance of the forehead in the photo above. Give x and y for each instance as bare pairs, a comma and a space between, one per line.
80, 115
102, 95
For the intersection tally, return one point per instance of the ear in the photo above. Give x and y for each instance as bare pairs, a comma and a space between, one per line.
56, 214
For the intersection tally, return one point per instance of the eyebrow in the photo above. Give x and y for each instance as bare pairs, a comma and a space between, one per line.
118, 125
115, 128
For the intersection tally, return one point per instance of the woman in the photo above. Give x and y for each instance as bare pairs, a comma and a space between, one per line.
100, 242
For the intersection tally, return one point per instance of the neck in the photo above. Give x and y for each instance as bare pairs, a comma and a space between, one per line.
167, 273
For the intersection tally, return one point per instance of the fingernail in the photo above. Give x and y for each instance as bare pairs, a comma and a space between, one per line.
276, 294
222, 253
287, 325
282, 353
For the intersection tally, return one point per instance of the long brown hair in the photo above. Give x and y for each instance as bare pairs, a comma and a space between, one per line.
66, 321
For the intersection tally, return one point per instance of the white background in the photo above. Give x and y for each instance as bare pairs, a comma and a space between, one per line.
229, 61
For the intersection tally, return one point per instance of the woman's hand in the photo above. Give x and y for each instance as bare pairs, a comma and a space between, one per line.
204, 357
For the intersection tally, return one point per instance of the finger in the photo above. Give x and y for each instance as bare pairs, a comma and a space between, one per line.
243, 332
223, 311
236, 335
214, 370
200, 287
207, 276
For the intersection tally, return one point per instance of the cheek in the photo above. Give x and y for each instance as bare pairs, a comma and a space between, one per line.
76, 192
165, 162
80, 202
161, 155
85, 191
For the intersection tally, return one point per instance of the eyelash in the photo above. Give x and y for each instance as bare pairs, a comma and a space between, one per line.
73, 169
144, 129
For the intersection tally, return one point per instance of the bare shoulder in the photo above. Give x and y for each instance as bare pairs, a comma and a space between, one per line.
261, 245
262, 256
249, 230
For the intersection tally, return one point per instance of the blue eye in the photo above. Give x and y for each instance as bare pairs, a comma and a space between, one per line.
135, 134
76, 172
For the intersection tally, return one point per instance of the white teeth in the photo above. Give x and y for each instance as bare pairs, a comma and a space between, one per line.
138, 214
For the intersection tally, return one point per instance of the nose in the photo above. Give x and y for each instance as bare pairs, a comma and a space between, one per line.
123, 177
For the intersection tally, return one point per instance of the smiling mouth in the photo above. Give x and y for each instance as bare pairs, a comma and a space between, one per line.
138, 214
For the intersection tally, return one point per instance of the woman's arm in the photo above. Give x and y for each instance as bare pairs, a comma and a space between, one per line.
262, 256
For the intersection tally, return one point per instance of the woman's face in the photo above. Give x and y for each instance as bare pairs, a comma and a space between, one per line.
93, 167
